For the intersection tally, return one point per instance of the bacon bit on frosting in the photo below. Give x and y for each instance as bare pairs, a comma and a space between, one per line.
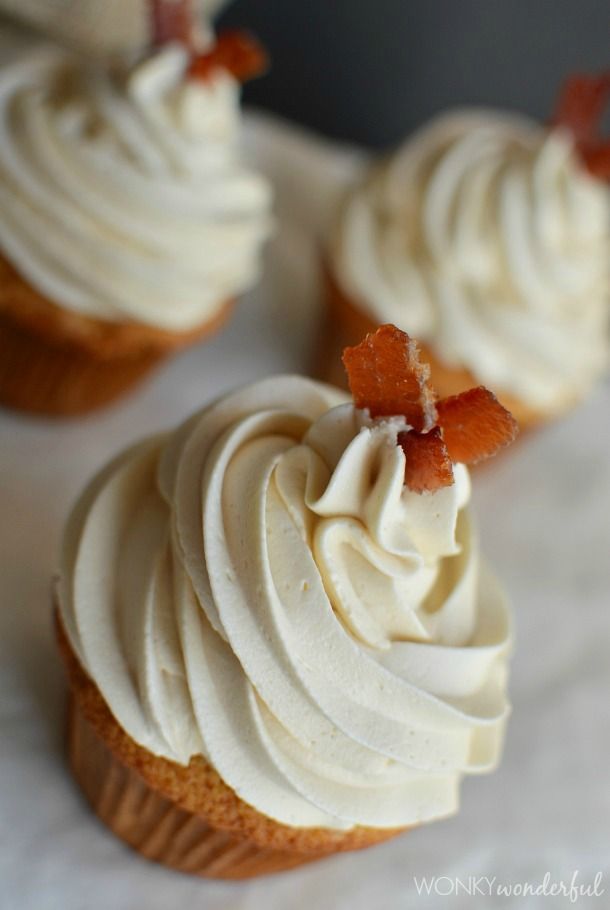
580, 109
386, 377
172, 20
233, 51
236, 52
428, 465
475, 425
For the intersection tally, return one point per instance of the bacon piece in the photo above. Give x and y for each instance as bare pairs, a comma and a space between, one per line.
386, 376
581, 104
172, 20
234, 51
428, 466
580, 109
475, 425
596, 157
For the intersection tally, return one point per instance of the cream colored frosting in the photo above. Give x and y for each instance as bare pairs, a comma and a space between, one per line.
99, 26
485, 236
123, 198
260, 587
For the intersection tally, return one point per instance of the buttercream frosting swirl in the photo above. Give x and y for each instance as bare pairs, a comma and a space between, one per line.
260, 588
485, 237
123, 197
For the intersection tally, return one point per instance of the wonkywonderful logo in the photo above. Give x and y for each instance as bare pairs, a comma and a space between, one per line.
491, 886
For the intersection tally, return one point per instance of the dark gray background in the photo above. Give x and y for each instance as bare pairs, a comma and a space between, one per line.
371, 70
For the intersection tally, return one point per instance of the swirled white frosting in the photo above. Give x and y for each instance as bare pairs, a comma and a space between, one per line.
123, 198
262, 589
485, 237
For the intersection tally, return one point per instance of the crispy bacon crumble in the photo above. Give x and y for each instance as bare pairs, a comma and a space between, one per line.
475, 425
580, 109
387, 378
234, 51
428, 465
172, 20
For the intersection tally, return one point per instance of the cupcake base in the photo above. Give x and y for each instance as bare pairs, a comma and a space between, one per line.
155, 827
184, 817
345, 325
59, 363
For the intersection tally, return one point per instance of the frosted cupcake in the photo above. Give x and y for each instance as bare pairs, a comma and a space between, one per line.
128, 224
487, 237
281, 641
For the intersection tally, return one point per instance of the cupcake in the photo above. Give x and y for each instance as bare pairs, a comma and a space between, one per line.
487, 236
280, 639
128, 224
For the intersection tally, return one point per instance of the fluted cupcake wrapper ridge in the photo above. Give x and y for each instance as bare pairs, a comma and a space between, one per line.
41, 377
155, 827
57, 362
185, 817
